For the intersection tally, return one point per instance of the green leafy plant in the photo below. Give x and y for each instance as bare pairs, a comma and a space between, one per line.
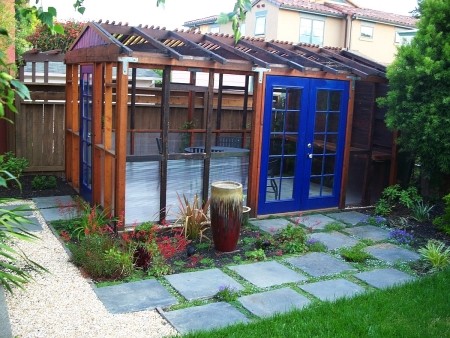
91, 254
93, 220
421, 211
226, 294
44, 182
193, 217
313, 245
443, 222
12, 164
292, 239
207, 261
237, 259
12, 271
256, 255
394, 195
334, 226
436, 254
354, 253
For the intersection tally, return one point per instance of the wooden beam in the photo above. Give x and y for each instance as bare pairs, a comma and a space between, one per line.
348, 142
165, 112
121, 140
192, 44
132, 109
75, 152
157, 44
255, 144
238, 52
97, 105
262, 51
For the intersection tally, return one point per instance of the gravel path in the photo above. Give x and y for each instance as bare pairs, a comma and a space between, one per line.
62, 303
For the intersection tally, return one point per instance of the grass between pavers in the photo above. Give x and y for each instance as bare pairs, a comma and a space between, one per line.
418, 309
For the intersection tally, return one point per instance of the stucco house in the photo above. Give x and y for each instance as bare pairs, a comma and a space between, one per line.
338, 23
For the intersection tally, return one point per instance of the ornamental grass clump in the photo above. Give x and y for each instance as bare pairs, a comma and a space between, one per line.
193, 217
436, 254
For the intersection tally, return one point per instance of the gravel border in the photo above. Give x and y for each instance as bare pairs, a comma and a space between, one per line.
62, 303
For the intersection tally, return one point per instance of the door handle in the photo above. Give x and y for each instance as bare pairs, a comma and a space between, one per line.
310, 156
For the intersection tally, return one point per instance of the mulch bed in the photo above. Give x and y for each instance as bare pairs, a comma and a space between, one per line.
27, 191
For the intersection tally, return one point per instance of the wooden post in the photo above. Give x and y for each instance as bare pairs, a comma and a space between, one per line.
165, 111
121, 140
219, 107
97, 104
133, 109
255, 144
109, 159
207, 160
348, 141
68, 122
245, 111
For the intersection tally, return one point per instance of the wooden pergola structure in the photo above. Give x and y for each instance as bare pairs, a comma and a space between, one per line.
101, 106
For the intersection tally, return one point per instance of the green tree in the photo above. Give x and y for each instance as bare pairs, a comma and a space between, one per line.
418, 101
44, 40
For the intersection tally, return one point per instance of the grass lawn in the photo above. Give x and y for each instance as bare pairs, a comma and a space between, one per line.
419, 309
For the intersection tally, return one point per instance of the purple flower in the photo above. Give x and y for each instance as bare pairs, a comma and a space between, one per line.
401, 236
312, 241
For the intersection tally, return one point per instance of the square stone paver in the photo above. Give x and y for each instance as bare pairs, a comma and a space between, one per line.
53, 201
201, 284
384, 278
55, 214
271, 225
349, 217
21, 209
135, 296
391, 253
334, 240
271, 302
205, 317
264, 274
314, 222
332, 289
319, 264
368, 232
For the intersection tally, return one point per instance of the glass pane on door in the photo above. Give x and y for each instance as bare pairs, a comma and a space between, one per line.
325, 139
285, 118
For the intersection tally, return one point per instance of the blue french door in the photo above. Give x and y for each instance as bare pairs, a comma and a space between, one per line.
303, 143
86, 132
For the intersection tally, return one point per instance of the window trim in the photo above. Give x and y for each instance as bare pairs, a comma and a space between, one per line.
312, 19
214, 26
260, 15
366, 25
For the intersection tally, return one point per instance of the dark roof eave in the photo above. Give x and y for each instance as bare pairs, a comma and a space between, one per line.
387, 22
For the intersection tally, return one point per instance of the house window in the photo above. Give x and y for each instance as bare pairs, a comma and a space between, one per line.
260, 23
242, 29
366, 32
311, 31
214, 29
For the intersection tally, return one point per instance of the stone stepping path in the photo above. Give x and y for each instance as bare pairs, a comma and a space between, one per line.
206, 317
271, 225
334, 240
135, 296
314, 222
318, 264
371, 232
331, 290
202, 284
266, 274
56, 208
271, 302
349, 217
391, 253
384, 278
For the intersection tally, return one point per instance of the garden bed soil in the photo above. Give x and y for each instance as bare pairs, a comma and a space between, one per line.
26, 191
202, 255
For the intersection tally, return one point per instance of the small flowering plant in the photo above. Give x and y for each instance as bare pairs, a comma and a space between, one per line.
227, 294
401, 236
374, 220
